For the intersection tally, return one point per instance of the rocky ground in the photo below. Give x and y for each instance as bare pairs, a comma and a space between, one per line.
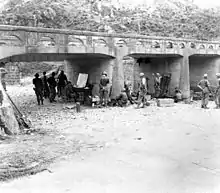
169, 149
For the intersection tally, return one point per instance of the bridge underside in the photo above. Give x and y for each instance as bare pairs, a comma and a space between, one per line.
203, 64
140, 55
155, 63
40, 57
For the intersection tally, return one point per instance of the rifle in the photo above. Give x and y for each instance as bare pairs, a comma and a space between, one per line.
21, 118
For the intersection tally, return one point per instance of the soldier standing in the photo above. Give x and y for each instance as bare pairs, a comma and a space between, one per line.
217, 92
52, 85
45, 86
157, 80
104, 90
37, 82
142, 91
204, 86
62, 81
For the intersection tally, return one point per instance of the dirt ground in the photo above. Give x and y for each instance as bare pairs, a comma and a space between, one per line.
155, 150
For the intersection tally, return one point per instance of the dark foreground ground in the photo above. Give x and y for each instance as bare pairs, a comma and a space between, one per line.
156, 150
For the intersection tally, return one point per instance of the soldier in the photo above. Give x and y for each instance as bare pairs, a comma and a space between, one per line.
38, 88
62, 81
217, 92
70, 94
204, 86
122, 99
52, 85
46, 91
3, 74
104, 90
142, 91
157, 80
128, 92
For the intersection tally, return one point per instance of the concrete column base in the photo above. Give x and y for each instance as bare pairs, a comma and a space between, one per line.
184, 77
118, 72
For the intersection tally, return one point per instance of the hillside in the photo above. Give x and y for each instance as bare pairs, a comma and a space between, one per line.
162, 17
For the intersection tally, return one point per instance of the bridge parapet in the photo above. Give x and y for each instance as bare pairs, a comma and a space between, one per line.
15, 40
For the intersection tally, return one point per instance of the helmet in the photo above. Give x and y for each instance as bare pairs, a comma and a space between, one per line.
104, 73
141, 74
36, 75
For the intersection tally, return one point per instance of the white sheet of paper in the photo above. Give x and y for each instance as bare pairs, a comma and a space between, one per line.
82, 80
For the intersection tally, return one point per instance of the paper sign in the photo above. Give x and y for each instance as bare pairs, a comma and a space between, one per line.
82, 80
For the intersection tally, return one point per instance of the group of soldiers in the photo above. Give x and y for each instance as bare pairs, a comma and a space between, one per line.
143, 90
51, 87
205, 86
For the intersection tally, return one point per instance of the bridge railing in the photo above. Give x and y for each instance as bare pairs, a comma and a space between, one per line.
48, 37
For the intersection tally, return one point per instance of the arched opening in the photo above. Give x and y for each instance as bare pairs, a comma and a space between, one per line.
153, 63
200, 65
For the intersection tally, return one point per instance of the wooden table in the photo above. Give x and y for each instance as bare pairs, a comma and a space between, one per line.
82, 93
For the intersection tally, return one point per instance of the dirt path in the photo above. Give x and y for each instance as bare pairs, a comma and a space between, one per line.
173, 149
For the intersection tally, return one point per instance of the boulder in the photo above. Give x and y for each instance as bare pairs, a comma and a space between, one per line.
8, 121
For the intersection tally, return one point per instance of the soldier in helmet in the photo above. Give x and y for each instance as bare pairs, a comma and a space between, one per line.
142, 91
37, 82
217, 92
52, 85
104, 89
204, 86
157, 80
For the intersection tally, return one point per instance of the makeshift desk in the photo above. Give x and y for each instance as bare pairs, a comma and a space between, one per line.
82, 94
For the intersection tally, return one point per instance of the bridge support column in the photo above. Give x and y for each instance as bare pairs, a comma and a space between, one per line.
174, 67
184, 77
118, 72
71, 71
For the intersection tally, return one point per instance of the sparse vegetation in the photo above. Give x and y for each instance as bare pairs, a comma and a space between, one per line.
172, 18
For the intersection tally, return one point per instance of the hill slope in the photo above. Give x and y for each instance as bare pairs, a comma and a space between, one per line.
164, 17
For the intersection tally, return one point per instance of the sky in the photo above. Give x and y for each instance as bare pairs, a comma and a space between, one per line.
200, 3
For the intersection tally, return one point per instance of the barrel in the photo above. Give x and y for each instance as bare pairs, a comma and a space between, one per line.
78, 109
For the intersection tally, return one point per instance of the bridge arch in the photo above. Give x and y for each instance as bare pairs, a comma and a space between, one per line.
211, 47
202, 46
169, 45
120, 43
46, 41
182, 45
76, 42
155, 44
192, 45
99, 42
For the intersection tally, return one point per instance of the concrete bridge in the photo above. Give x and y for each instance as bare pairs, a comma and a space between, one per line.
92, 53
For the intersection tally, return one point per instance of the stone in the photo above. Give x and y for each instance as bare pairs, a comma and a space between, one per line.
165, 102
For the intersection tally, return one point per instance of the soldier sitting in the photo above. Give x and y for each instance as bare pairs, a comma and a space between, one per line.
178, 95
122, 99
70, 94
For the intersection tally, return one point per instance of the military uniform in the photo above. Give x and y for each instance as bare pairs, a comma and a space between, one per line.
217, 92
157, 80
122, 99
70, 94
104, 90
204, 85
46, 91
142, 90
62, 80
38, 88
52, 85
